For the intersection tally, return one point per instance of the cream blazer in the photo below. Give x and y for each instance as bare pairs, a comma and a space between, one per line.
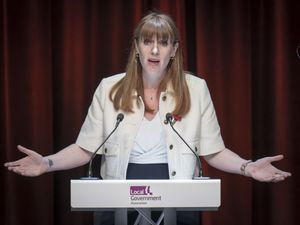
199, 128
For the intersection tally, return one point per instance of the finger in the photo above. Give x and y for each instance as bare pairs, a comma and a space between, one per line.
18, 162
283, 173
24, 150
278, 178
18, 170
275, 158
12, 164
15, 170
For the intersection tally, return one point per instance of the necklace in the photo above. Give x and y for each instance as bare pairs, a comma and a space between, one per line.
150, 97
150, 94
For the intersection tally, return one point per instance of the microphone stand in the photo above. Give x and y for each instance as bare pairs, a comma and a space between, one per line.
169, 118
90, 176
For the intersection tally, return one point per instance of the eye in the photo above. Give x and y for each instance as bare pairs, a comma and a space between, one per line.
147, 41
164, 43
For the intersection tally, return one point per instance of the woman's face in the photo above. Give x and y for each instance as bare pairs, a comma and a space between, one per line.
154, 55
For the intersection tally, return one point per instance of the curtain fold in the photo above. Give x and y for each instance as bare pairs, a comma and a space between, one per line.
223, 49
54, 54
275, 70
26, 106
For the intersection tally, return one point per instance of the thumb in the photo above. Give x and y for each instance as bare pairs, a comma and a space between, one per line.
276, 158
24, 150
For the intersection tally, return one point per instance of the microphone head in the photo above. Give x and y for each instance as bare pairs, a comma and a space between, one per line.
120, 117
169, 117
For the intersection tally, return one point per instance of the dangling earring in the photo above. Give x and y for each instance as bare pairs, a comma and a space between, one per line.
137, 56
170, 62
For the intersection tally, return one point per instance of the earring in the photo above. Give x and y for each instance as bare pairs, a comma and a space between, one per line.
170, 62
137, 56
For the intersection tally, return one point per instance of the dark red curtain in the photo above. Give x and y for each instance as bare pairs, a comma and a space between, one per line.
54, 53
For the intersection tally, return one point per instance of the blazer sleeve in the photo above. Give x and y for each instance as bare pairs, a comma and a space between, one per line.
91, 132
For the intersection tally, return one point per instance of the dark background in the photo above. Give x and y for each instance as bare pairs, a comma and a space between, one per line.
55, 52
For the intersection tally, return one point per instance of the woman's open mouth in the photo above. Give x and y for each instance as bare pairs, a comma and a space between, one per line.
153, 62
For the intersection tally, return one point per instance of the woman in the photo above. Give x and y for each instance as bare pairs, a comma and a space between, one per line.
144, 145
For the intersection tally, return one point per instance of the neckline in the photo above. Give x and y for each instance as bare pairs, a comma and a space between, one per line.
146, 120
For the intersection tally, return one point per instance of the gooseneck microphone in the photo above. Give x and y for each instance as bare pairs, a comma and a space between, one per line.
169, 119
90, 176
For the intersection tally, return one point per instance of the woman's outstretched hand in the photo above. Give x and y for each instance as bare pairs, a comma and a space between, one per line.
32, 165
263, 170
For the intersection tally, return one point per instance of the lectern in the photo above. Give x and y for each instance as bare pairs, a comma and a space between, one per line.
179, 195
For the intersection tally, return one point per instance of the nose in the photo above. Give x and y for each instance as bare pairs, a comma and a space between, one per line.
155, 50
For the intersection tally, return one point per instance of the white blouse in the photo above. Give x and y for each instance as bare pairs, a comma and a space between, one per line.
150, 143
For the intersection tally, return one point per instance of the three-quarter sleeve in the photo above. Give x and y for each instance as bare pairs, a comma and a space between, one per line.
210, 133
91, 132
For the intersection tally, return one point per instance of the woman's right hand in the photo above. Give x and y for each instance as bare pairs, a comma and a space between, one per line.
32, 165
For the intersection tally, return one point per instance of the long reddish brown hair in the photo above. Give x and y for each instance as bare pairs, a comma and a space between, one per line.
121, 94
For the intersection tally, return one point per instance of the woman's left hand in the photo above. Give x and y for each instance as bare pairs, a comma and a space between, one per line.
263, 170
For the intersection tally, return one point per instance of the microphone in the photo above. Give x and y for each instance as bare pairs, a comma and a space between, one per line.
169, 119
120, 117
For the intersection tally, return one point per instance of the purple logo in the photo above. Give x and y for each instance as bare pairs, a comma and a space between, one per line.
140, 190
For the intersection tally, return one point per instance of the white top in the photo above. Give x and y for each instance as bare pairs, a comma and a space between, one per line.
150, 143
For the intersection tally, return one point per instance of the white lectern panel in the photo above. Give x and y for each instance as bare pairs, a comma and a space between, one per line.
145, 194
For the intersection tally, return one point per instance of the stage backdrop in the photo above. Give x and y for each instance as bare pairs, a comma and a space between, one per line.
54, 53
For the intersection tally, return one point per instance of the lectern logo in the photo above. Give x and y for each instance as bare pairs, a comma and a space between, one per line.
140, 190
142, 195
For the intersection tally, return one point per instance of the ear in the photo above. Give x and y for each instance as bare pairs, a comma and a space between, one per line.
175, 47
136, 46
